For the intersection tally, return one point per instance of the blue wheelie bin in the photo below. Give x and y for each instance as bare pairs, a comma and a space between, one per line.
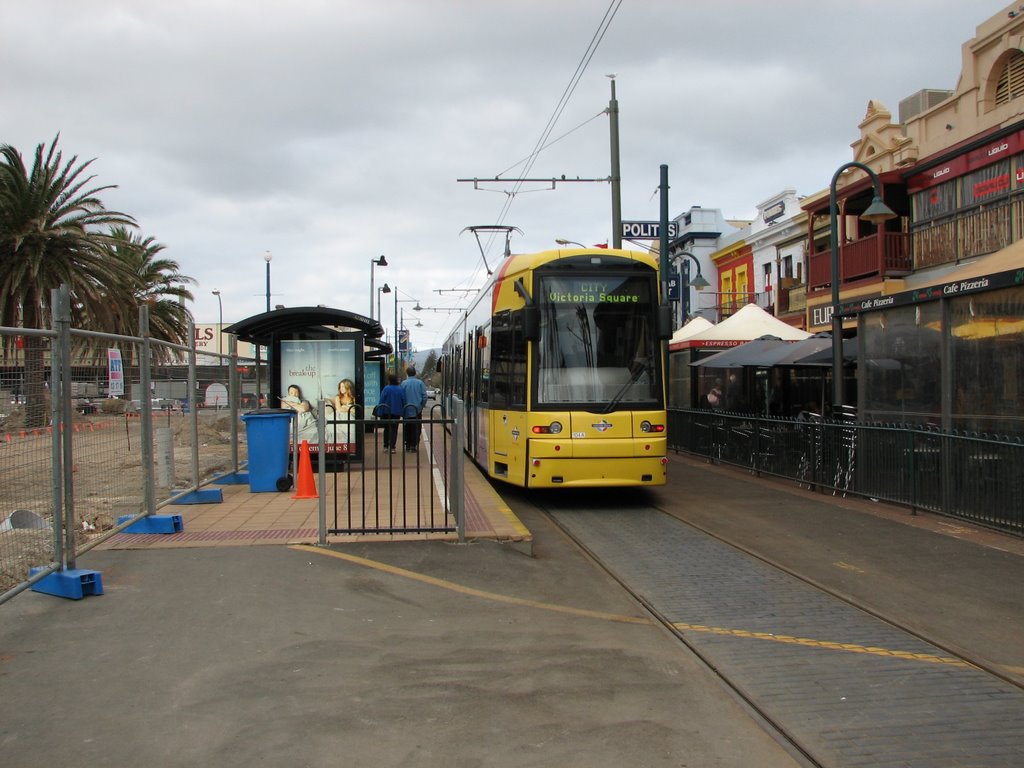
266, 431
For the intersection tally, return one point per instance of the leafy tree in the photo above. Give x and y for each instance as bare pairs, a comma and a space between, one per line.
50, 221
430, 364
156, 282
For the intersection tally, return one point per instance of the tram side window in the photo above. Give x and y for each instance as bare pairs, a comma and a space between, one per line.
508, 360
483, 368
459, 373
501, 359
517, 369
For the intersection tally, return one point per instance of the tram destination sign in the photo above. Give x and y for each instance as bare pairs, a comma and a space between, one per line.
593, 290
647, 230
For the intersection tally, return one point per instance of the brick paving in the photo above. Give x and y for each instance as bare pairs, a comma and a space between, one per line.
245, 518
850, 688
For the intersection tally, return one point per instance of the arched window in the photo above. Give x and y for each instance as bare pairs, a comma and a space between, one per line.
1011, 80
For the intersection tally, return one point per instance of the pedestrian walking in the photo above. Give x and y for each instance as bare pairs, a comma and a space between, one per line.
415, 401
390, 409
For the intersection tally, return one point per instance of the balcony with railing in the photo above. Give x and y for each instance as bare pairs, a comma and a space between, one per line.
965, 234
725, 304
792, 297
883, 254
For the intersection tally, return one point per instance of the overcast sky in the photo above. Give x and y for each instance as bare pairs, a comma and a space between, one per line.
332, 132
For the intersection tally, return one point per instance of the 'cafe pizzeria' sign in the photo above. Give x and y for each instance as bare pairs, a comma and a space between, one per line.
930, 293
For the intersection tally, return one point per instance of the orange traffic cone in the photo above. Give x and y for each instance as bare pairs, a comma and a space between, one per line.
306, 486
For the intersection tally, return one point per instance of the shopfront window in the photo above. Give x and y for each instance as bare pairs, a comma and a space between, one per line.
987, 357
900, 375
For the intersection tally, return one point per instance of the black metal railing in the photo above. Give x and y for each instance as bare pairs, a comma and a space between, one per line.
971, 477
392, 490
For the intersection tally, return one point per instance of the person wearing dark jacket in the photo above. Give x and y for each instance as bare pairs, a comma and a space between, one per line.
390, 408
415, 400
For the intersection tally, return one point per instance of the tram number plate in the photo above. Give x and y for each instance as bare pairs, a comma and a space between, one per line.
579, 434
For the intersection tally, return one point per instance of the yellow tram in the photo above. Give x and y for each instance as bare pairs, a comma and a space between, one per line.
559, 363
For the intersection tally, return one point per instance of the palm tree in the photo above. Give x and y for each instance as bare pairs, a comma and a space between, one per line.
155, 282
49, 220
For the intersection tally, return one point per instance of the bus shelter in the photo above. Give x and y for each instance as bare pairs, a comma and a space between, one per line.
311, 353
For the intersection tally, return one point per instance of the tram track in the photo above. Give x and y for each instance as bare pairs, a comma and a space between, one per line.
690, 635
770, 724
960, 653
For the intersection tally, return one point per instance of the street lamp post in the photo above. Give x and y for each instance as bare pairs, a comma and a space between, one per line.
699, 283
560, 241
400, 324
267, 257
384, 289
876, 213
220, 325
381, 262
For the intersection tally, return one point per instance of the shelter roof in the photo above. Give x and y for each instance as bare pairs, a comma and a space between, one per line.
259, 329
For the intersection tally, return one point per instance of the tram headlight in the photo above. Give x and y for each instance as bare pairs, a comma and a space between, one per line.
646, 426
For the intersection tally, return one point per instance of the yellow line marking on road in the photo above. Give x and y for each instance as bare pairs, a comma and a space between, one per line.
827, 644
494, 596
452, 586
847, 567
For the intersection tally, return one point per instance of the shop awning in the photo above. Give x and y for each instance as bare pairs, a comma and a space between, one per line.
749, 323
817, 351
759, 353
690, 329
770, 351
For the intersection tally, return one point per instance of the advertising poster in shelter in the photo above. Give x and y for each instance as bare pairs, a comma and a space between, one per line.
373, 382
316, 366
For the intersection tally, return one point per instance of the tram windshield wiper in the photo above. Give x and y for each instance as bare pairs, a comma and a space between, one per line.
636, 370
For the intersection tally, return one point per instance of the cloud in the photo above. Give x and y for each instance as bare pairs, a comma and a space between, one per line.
329, 132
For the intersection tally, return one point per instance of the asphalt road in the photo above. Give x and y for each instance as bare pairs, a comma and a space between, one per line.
411, 654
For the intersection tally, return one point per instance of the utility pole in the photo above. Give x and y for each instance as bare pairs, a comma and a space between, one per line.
663, 226
616, 177
663, 270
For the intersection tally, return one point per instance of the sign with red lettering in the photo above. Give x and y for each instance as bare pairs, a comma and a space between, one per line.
938, 174
1000, 149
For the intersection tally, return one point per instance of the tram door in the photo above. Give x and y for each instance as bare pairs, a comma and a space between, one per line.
477, 387
472, 357
481, 425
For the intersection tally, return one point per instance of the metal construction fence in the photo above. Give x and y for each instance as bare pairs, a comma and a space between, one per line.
970, 477
81, 459
78, 454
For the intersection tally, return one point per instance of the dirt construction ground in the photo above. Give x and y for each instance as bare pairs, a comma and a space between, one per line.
107, 475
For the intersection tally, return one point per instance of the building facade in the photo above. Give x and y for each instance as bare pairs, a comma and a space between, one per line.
935, 296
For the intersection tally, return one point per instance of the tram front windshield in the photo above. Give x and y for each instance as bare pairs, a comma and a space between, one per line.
597, 342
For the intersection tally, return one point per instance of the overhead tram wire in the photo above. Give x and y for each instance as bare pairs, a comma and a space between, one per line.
563, 102
542, 142
570, 89
568, 133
